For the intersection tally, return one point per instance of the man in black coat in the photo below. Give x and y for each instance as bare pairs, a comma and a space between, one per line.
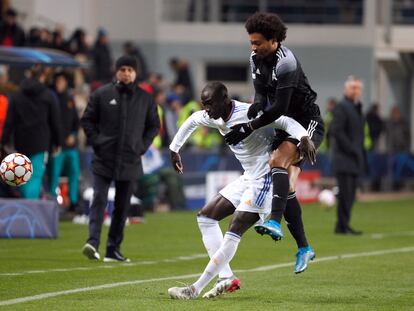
349, 161
120, 123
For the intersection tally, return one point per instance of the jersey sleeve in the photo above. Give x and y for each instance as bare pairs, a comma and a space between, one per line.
198, 118
286, 72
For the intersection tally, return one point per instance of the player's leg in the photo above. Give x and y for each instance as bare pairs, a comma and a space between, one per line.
286, 153
293, 218
240, 223
208, 222
280, 160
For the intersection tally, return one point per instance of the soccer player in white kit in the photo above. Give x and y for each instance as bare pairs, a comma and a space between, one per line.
248, 198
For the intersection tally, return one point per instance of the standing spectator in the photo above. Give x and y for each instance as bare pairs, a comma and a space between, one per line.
69, 157
102, 58
77, 44
183, 78
330, 106
375, 125
11, 34
120, 123
32, 123
398, 143
34, 38
398, 132
133, 50
347, 133
58, 41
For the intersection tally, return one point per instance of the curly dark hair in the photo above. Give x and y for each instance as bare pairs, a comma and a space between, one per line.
270, 25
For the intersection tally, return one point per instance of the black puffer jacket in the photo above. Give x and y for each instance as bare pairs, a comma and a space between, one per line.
120, 124
32, 120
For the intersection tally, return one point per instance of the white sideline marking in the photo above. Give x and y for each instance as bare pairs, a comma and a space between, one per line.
378, 236
178, 277
116, 265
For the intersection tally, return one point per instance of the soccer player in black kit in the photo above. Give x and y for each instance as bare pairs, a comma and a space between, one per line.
281, 88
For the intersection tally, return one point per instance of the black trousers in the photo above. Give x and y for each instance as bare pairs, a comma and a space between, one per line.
347, 184
123, 192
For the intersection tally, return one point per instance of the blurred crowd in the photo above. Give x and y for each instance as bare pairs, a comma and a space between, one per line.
176, 100
72, 87
382, 135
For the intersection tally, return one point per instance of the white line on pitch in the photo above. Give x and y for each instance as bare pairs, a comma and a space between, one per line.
138, 263
179, 277
378, 236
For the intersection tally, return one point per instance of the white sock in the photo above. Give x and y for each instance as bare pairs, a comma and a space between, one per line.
221, 258
212, 239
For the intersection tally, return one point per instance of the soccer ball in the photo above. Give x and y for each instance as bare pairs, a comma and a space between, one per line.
16, 169
327, 198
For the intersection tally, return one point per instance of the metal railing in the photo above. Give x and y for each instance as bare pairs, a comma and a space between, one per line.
292, 11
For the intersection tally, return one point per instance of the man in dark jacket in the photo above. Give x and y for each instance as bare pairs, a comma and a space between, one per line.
349, 161
32, 123
120, 123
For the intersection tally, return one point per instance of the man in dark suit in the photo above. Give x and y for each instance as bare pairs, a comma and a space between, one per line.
120, 123
347, 133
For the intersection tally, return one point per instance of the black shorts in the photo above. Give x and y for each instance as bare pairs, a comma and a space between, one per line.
314, 126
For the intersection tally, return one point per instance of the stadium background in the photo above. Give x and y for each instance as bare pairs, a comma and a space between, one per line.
333, 39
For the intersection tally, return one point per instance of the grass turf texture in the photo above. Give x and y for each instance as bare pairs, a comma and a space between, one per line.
383, 282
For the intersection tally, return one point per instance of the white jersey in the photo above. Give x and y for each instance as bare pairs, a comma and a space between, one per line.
253, 152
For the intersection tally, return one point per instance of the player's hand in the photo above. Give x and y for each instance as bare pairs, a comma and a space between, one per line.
176, 162
238, 133
307, 150
254, 110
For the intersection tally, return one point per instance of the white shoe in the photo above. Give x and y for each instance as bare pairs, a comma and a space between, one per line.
223, 286
91, 252
182, 293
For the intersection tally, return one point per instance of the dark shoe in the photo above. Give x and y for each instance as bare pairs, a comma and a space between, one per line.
115, 256
351, 231
340, 231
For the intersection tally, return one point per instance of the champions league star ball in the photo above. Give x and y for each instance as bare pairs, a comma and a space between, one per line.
327, 198
16, 169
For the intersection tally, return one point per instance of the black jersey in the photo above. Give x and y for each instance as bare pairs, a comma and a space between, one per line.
281, 72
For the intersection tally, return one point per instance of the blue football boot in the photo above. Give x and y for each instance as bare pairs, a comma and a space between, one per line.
270, 227
304, 255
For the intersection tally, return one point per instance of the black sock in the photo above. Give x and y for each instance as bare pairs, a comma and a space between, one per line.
280, 191
293, 217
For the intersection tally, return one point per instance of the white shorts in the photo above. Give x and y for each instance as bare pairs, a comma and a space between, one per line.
254, 196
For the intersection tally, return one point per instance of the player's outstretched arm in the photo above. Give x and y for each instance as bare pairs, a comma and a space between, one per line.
176, 162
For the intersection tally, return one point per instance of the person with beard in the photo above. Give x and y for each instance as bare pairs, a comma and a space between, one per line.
120, 122
69, 157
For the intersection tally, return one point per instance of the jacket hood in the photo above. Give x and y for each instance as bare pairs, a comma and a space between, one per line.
31, 86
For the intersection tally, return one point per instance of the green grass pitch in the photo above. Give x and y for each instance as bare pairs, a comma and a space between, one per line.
374, 271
